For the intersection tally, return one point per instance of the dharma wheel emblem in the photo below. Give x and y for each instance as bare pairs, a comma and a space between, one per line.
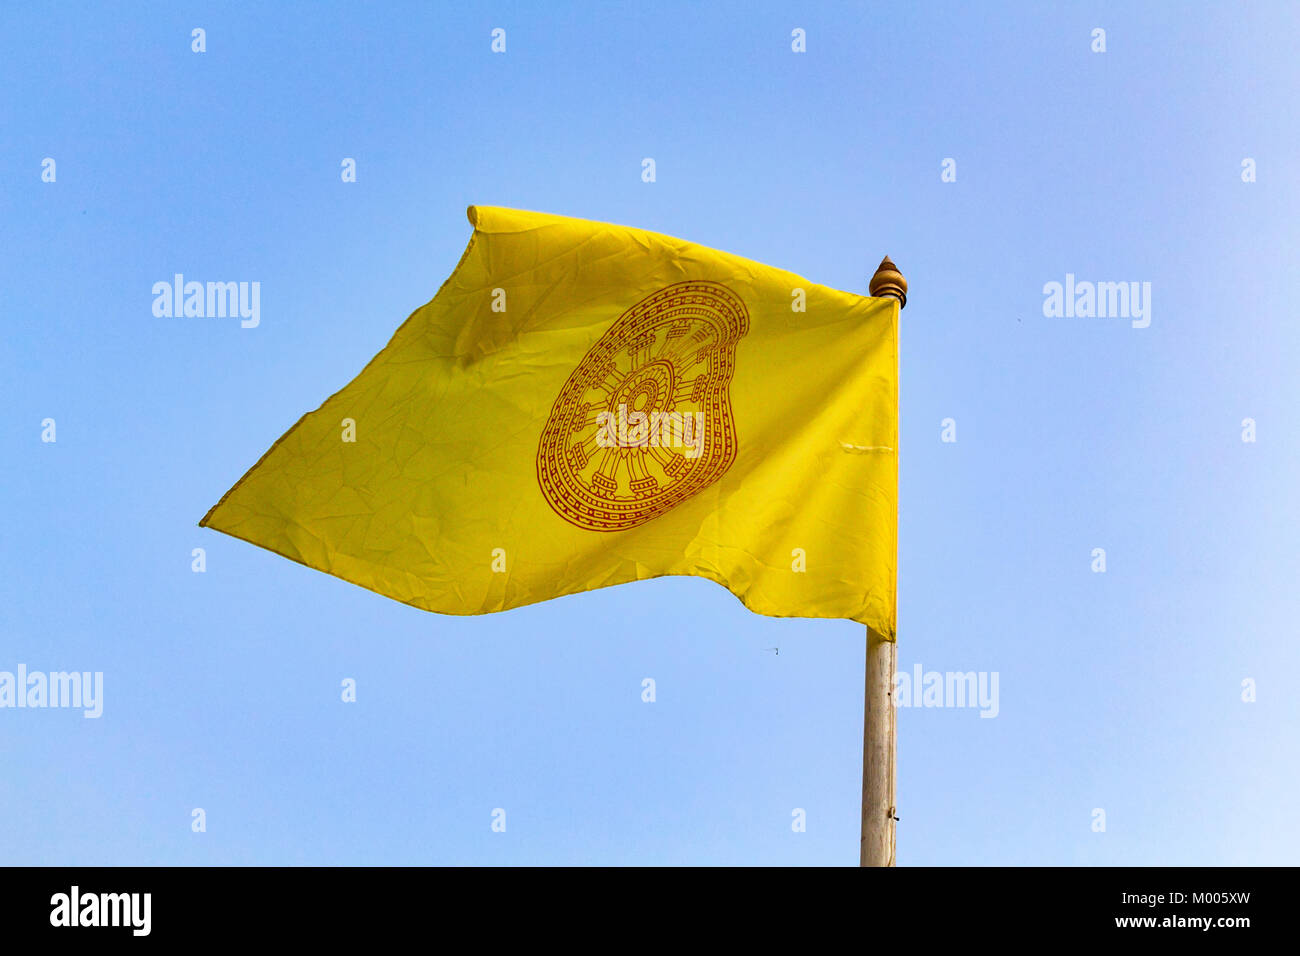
644, 422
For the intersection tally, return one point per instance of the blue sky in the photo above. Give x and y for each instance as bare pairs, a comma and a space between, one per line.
1120, 691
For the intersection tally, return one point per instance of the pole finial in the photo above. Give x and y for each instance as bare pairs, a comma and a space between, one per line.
889, 281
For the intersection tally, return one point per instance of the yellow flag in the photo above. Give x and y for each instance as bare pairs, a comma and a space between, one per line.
582, 405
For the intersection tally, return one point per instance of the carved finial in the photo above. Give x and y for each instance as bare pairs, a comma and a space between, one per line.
889, 281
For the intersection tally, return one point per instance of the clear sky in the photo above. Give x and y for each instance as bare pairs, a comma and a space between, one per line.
1118, 691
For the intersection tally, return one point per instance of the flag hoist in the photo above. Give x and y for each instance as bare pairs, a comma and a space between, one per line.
582, 405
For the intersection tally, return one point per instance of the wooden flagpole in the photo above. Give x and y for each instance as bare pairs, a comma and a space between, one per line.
879, 727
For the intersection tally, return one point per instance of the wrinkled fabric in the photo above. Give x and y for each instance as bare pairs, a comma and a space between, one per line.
452, 496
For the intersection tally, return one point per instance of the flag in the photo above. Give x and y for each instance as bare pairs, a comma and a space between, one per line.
582, 405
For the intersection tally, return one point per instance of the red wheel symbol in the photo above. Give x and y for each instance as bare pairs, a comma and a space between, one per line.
644, 422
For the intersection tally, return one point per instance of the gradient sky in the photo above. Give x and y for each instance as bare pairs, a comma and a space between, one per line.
1119, 691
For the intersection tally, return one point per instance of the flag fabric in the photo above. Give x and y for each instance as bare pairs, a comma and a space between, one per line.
582, 405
